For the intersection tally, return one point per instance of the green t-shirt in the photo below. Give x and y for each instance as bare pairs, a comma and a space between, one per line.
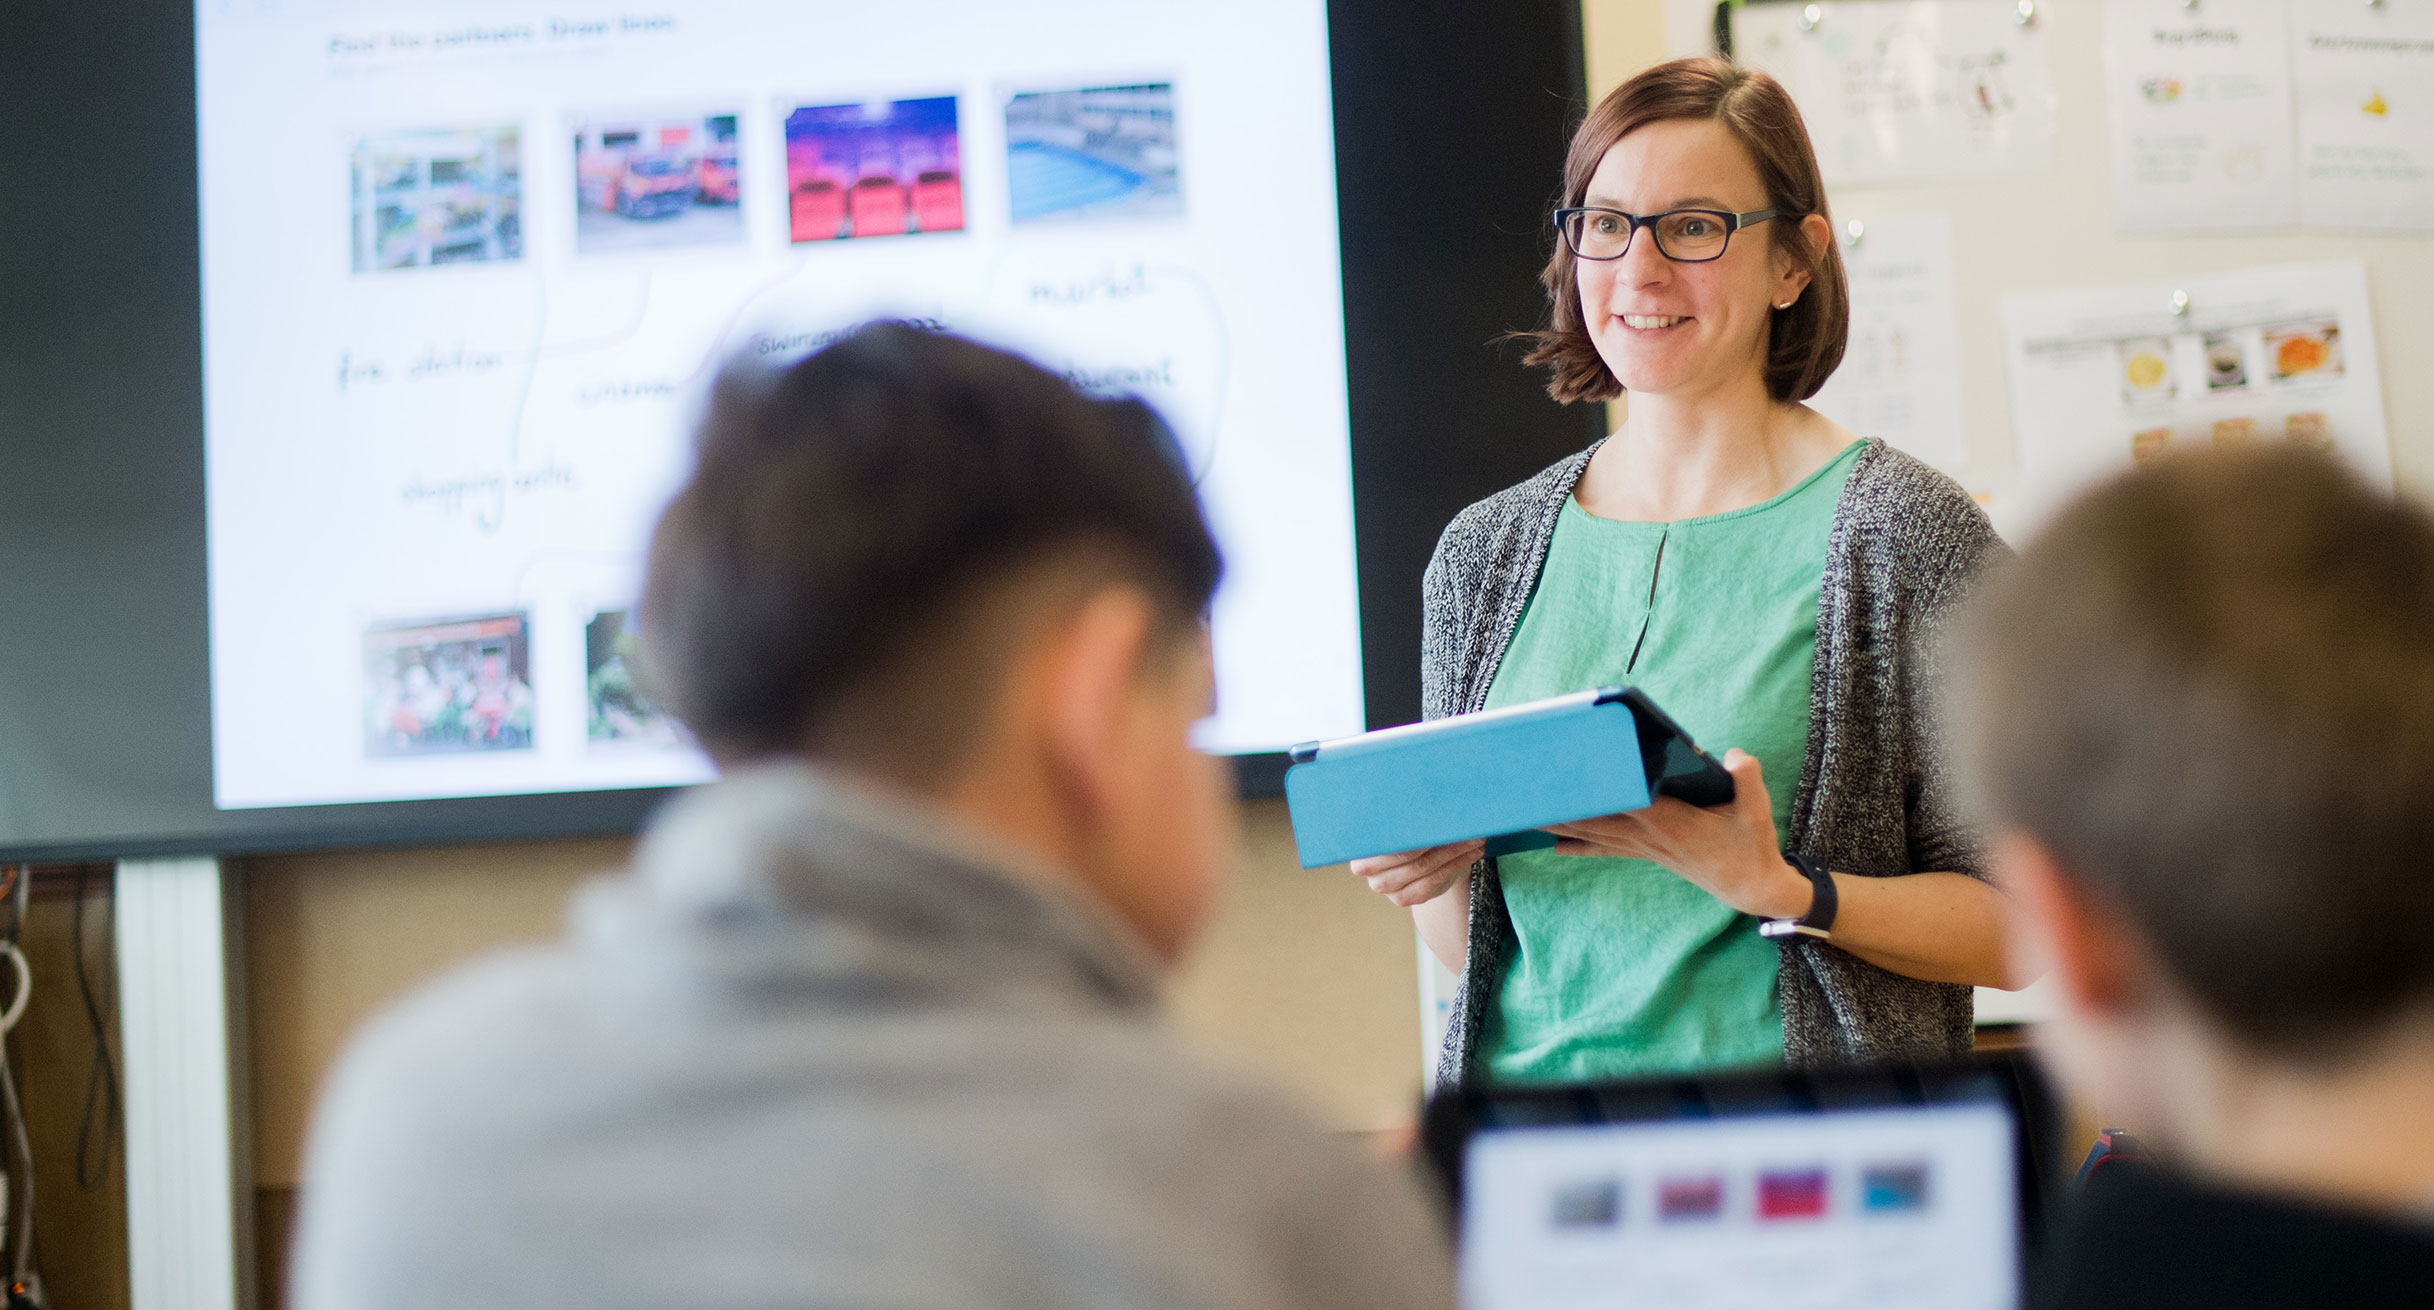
1621, 966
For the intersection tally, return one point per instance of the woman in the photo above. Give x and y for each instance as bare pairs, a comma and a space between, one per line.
1772, 580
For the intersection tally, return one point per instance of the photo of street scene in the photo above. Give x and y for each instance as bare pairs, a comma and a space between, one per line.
885, 168
445, 196
448, 687
644, 182
1103, 152
619, 710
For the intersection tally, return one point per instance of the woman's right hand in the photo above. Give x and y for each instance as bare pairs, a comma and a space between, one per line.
1418, 877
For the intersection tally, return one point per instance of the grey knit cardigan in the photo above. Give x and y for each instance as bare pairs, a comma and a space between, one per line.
1873, 799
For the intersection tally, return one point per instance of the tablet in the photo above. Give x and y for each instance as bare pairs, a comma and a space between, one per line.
1501, 774
1892, 1188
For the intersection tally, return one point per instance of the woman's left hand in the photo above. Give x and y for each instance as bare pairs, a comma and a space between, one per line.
1730, 851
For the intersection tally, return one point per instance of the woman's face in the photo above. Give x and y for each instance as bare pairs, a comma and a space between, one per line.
1666, 328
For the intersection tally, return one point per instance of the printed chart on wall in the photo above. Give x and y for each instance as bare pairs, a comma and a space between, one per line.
1903, 90
2108, 377
2202, 131
2265, 113
2365, 90
1900, 377
469, 267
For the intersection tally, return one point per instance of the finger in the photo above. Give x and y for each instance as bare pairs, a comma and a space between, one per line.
1436, 865
1432, 885
1611, 825
1750, 800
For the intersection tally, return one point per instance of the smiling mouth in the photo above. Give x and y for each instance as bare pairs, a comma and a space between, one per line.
1652, 322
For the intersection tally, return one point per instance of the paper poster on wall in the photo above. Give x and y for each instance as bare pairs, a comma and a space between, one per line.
2201, 114
2104, 378
1901, 372
2365, 87
1902, 90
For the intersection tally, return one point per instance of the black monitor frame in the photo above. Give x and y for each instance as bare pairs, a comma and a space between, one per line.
1451, 116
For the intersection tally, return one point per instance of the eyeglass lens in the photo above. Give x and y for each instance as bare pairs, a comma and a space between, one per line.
1689, 236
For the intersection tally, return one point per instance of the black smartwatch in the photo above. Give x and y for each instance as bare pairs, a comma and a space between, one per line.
1819, 921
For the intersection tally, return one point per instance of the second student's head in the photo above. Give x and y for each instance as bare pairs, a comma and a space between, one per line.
934, 565
2200, 710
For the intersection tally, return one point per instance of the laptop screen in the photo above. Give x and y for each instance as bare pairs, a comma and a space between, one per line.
1709, 1196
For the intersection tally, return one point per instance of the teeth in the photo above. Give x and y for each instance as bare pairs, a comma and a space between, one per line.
1647, 322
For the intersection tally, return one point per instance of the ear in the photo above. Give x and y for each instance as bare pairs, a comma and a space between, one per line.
1093, 667
2065, 931
1792, 274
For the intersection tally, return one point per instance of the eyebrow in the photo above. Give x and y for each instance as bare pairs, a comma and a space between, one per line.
1693, 202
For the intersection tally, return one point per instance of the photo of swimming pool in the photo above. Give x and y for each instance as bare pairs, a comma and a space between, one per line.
1097, 153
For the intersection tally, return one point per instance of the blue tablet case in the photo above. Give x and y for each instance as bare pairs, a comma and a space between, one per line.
1501, 774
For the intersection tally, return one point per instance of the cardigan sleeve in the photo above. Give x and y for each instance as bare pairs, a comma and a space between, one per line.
1442, 620
1942, 836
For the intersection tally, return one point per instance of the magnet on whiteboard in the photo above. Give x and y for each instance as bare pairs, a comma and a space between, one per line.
2180, 304
2024, 12
1853, 231
1811, 16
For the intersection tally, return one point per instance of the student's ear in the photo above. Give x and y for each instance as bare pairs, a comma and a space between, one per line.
1093, 668
2065, 931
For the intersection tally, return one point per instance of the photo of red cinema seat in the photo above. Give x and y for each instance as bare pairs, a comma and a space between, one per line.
877, 207
816, 212
1792, 1194
874, 168
938, 201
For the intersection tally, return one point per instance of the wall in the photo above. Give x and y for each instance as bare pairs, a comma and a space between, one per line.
2054, 230
81, 1230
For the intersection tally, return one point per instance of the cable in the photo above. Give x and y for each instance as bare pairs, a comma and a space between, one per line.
101, 1104
25, 1284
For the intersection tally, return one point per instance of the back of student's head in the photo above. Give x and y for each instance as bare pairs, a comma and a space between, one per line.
868, 531
2207, 689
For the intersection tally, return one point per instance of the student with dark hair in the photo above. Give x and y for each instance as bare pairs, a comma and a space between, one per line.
2200, 713
1769, 577
872, 1020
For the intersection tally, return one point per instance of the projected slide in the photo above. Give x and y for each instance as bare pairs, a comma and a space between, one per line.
468, 269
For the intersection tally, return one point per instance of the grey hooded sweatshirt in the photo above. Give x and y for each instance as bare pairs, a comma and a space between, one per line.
814, 1050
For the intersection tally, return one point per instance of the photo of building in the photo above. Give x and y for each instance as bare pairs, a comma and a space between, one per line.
444, 196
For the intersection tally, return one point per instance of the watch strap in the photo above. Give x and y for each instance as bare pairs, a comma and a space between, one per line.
1823, 902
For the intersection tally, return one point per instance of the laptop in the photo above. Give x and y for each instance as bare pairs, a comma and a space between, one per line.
1887, 1188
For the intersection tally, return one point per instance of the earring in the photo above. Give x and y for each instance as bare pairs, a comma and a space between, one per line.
1787, 304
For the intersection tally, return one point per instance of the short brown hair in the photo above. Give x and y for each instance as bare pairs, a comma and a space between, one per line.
1805, 342
846, 509
2208, 689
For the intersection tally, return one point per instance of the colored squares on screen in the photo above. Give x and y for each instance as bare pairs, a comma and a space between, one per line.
1595, 1203
1687, 1199
1893, 1189
1792, 1194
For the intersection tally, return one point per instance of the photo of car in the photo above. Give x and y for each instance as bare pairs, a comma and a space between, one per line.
641, 184
718, 182
656, 181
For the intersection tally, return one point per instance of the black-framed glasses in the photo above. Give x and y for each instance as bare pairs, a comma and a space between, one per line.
1685, 236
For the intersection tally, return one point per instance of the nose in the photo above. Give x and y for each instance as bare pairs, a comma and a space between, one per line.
1642, 263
